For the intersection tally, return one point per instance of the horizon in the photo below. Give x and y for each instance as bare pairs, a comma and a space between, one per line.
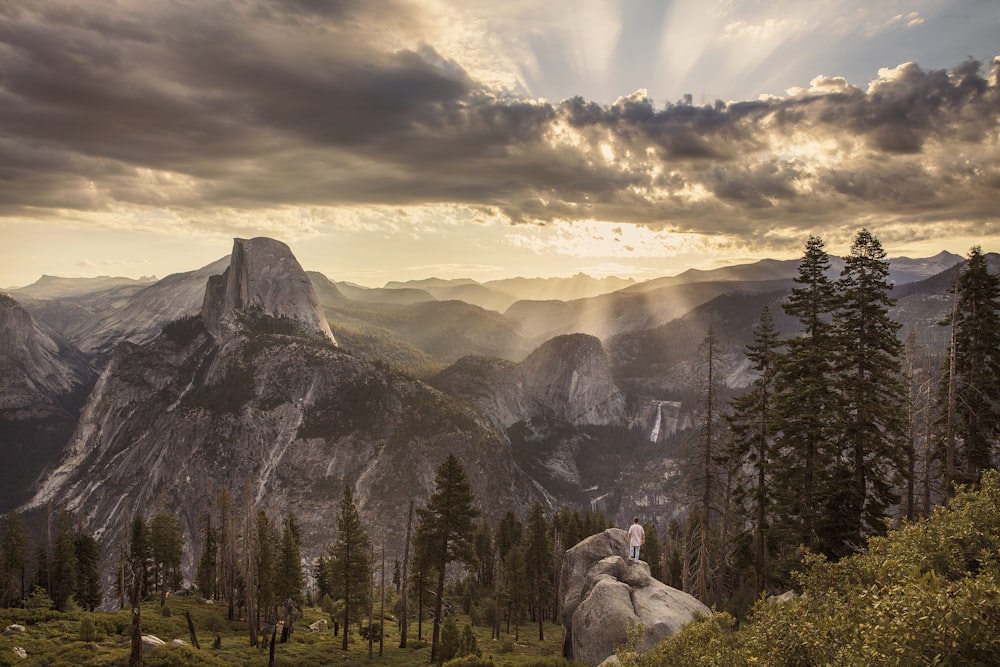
401, 139
157, 277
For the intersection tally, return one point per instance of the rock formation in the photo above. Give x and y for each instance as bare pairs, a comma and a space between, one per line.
567, 379
603, 595
263, 279
44, 383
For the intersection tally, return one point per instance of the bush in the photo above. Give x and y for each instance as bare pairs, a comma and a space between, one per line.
39, 599
88, 632
928, 593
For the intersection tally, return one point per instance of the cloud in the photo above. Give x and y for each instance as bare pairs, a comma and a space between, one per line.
294, 112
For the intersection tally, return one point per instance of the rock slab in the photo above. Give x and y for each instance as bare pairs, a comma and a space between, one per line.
603, 595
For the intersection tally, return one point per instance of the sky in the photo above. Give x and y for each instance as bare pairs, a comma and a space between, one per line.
400, 139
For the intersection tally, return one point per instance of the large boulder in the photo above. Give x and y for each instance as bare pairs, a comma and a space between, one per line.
602, 595
150, 643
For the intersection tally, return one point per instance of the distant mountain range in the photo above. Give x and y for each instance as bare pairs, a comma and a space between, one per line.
120, 396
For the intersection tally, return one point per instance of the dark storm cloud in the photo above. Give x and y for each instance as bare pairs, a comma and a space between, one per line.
301, 102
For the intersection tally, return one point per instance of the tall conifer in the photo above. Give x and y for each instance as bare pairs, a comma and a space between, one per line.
349, 562
446, 530
873, 402
807, 406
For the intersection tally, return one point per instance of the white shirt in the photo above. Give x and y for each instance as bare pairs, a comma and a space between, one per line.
635, 535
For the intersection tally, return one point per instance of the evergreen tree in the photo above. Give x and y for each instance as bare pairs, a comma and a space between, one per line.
139, 557
509, 534
290, 577
88, 579
41, 578
869, 376
807, 407
14, 561
208, 563
228, 554
515, 590
538, 564
752, 423
166, 549
568, 527
64, 567
976, 353
350, 562
652, 551
446, 529
267, 601
702, 463
484, 554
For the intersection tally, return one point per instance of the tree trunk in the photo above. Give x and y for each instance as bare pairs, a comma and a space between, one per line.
403, 619
194, 637
135, 657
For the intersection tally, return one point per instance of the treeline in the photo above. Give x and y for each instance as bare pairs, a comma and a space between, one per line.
847, 428
57, 574
503, 575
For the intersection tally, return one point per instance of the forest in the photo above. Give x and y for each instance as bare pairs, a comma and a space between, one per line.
856, 472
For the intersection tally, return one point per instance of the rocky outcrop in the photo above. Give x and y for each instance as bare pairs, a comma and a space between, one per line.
43, 383
263, 279
566, 379
603, 595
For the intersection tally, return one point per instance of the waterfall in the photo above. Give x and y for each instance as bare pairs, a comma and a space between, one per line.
655, 434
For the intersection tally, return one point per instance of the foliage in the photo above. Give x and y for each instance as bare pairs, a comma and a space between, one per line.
927, 593
349, 562
446, 529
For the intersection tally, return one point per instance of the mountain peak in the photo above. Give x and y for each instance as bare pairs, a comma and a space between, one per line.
263, 277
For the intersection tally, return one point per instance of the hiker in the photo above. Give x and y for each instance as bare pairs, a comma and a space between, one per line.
636, 538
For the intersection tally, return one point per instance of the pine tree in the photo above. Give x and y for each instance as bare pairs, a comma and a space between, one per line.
869, 376
976, 354
166, 548
753, 422
350, 563
267, 601
538, 564
88, 580
652, 551
445, 529
807, 406
228, 553
208, 564
64, 570
14, 559
703, 458
290, 578
138, 557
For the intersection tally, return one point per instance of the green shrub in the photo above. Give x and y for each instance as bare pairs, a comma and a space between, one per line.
39, 599
925, 594
88, 632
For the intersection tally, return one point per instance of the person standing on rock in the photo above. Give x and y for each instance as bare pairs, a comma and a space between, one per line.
636, 538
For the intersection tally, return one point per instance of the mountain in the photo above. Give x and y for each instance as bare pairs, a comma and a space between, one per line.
568, 378
498, 295
45, 381
56, 287
253, 395
263, 279
286, 385
96, 320
632, 309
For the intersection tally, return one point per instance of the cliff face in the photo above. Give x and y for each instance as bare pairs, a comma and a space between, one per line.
263, 279
568, 379
271, 409
44, 383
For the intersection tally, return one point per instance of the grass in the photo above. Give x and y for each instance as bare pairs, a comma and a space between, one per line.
53, 639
